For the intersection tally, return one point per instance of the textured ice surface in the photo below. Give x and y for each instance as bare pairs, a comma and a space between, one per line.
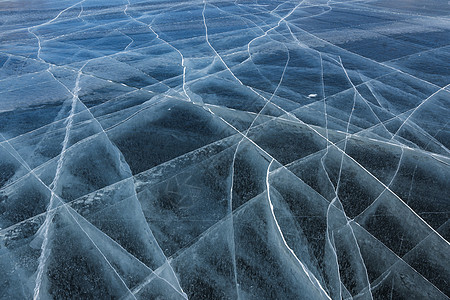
224, 149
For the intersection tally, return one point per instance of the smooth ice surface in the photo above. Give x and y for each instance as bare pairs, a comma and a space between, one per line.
224, 149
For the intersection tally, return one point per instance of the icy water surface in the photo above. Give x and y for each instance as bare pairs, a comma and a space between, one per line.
224, 149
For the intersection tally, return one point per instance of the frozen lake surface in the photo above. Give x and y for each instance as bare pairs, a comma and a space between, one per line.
224, 149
